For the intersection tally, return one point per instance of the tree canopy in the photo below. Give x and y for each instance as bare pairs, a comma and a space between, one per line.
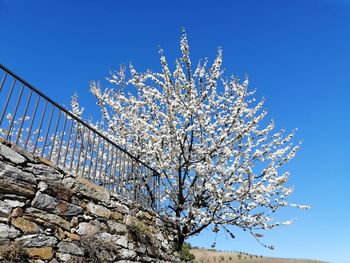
219, 159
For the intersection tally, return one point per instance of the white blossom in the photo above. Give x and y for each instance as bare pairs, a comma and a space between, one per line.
207, 136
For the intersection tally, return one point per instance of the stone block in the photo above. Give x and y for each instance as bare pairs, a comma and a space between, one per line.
38, 240
11, 155
15, 181
52, 205
14, 203
87, 229
45, 253
116, 228
117, 216
5, 211
7, 231
98, 210
47, 217
70, 248
71, 236
17, 212
90, 190
25, 225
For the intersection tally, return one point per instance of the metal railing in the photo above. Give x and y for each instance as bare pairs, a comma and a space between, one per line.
39, 125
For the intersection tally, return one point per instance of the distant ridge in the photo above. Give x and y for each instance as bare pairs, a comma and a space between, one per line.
215, 256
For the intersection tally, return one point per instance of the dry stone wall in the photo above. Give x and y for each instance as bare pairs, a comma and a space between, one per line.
49, 215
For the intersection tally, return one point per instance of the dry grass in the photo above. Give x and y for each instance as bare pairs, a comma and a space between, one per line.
210, 256
13, 253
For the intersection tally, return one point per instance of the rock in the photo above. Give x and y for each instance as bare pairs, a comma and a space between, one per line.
5, 211
122, 241
87, 229
119, 207
151, 251
70, 248
17, 212
15, 197
98, 210
42, 186
160, 237
38, 240
74, 221
59, 190
117, 216
44, 172
7, 231
15, 181
54, 261
64, 257
26, 226
145, 258
159, 222
59, 233
50, 218
70, 258
141, 248
68, 182
112, 239
14, 203
11, 155
126, 254
90, 190
144, 215
52, 205
45, 253
116, 228
71, 236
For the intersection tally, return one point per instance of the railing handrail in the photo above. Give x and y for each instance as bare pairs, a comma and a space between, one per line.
75, 117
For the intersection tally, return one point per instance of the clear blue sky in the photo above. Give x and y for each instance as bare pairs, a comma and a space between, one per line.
297, 54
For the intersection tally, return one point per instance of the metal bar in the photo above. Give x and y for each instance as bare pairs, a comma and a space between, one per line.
7, 101
75, 143
62, 138
81, 149
47, 131
68, 143
127, 172
151, 188
54, 136
15, 112
96, 158
86, 153
92, 153
24, 116
3, 80
32, 121
121, 173
39, 130
101, 162
106, 170
133, 180
113, 167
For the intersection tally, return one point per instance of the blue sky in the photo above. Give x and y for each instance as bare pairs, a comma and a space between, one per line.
296, 53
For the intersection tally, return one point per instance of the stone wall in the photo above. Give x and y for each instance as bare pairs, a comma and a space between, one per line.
49, 215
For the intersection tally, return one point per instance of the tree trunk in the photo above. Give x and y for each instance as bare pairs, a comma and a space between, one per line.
180, 241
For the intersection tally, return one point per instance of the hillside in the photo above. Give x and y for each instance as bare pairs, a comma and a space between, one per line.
209, 256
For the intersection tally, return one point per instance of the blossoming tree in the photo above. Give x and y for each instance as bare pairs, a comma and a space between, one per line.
219, 161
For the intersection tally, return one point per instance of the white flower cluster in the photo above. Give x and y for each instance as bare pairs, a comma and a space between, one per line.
204, 133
